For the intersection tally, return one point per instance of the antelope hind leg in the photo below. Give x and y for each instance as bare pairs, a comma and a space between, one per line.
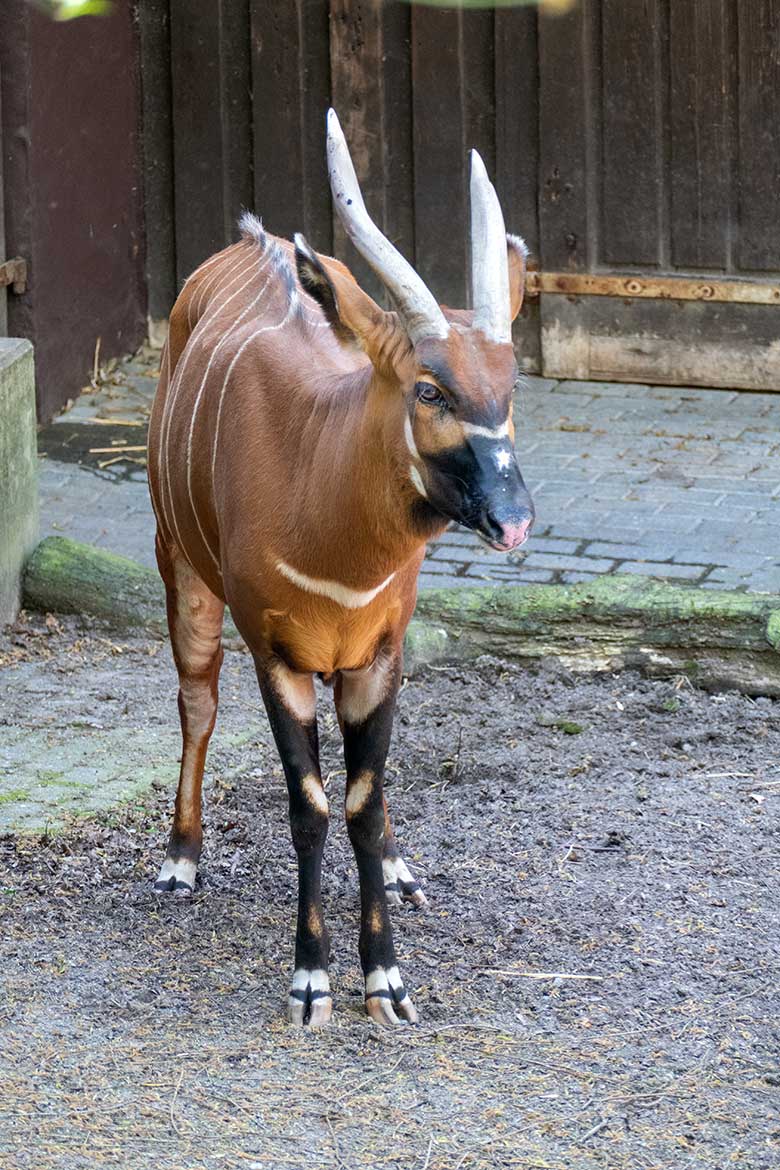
195, 623
400, 884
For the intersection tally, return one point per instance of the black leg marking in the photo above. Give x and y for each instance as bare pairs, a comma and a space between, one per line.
365, 751
294, 727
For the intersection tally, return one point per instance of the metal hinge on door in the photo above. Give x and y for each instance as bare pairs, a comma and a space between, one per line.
14, 273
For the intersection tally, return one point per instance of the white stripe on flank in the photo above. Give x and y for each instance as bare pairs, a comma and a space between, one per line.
212, 311
497, 433
162, 514
209, 280
207, 264
173, 389
252, 304
350, 598
252, 336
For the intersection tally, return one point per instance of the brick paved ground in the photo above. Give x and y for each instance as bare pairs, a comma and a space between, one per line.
679, 484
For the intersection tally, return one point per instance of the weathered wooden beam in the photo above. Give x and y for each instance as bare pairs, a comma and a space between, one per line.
663, 288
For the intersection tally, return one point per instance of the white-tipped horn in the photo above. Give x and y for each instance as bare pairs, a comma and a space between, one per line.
489, 266
416, 305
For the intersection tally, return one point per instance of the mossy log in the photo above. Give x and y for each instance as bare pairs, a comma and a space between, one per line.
64, 576
717, 638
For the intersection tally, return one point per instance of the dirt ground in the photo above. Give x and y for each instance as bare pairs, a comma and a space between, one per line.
596, 975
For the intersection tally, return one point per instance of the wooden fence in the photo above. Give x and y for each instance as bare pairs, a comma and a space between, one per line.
628, 138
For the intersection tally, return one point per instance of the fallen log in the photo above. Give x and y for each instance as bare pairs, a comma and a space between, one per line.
718, 639
65, 576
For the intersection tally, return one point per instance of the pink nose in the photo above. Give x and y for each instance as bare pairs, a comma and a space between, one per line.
513, 535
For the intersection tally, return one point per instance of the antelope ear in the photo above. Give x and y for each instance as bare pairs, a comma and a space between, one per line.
352, 314
517, 254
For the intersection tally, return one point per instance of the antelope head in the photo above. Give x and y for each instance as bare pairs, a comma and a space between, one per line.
450, 373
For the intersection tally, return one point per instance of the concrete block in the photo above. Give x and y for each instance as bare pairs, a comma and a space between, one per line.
18, 470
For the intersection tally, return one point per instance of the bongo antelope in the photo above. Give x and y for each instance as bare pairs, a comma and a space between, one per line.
304, 445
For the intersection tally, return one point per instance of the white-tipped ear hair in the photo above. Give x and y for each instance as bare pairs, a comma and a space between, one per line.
489, 266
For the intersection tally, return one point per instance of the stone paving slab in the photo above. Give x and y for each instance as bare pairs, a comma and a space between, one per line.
677, 483
50, 775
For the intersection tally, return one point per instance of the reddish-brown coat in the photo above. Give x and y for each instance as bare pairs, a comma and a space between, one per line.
283, 454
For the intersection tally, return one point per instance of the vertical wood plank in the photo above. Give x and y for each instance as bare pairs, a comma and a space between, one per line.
315, 99
440, 198
759, 134
453, 100
235, 112
276, 109
517, 120
356, 51
157, 146
631, 132
396, 72
197, 130
15, 115
702, 92
290, 96
517, 148
211, 125
563, 133
371, 82
477, 37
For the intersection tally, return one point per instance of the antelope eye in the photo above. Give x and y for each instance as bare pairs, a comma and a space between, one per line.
430, 394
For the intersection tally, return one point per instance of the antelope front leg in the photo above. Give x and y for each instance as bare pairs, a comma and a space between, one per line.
366, 702
290, 702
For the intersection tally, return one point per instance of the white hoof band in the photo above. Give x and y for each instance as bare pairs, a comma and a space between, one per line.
176, 877
310, 1000
400, 885
387, 999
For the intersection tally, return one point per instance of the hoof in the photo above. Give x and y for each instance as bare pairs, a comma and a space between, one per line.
387, 1000
310, 1001
176, 877
400, 886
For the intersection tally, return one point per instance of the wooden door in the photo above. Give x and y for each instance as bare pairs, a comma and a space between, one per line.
659, 192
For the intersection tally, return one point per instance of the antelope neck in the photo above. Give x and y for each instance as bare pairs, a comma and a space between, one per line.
368, 507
